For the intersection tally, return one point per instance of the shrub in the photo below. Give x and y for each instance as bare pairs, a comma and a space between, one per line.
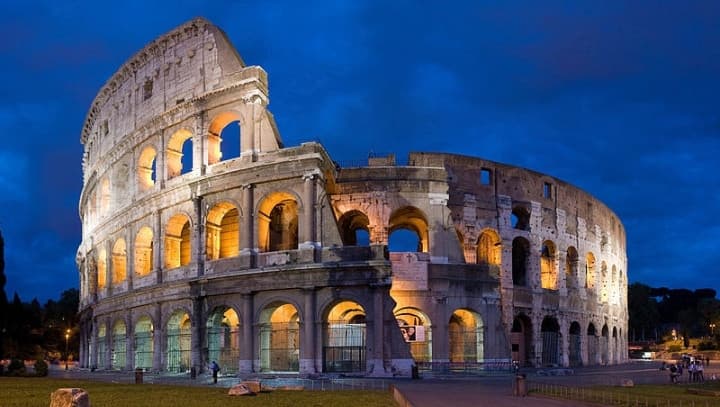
706, 346
16, 368
674, 348
41, 368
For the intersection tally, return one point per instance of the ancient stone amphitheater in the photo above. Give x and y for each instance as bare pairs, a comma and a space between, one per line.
273, 259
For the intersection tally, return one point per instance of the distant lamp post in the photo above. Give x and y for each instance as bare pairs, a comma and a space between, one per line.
67, 336
712, 329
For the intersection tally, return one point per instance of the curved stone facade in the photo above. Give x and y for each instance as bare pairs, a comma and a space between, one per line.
275, 259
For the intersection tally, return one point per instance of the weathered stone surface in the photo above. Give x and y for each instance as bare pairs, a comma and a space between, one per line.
69, 397
252, 385
240, 390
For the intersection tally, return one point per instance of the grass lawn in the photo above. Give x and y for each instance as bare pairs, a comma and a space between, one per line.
643, 395
35, 392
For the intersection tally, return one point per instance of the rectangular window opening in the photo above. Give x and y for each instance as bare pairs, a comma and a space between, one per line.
485, 178
547, 190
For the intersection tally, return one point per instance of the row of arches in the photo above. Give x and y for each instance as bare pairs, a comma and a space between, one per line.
174, 158
277, 339
583, 346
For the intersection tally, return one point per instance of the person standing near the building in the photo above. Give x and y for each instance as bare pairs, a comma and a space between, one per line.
215, 369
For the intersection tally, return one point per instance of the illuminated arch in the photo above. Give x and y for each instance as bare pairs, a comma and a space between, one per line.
223, 231
178, 338
144, 332
548, 268
223, 338
102, 269
175, 151
119, 261
216, 132
409, 316
590, 271
279, 338
144, 251
344, 338
119, 345
146, 173
414, 220
465, 336
353, 224
101, 346
177, 241
278, 222
489, 248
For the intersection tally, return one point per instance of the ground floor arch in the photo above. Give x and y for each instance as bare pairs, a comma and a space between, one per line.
144, 343
177, 349
592, 345
279, 338
521, 340
119, 345
550, 332
574, 344
465, 337
101, 346
416, 330
604, 346
344, 338
223, 339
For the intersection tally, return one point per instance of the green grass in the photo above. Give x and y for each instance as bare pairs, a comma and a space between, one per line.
32, 392
650, 395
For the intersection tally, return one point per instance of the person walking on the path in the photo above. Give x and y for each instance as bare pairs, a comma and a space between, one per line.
215, 369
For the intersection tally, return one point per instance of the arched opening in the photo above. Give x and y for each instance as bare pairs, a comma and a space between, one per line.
465, 332
179, 154
603, 282
521, 340
548, 269
421, 342
223, 339
177, 242
590, 271
615, 346
354, 228
223, 231
520, 218
146, 168
571, 267
592, 345
102, 269
101, 346
278, 223
521, 257
344, 338
223, 138
489, 248
412, 228
119, 262
144, 251
605, 346
279, 338
144, 343
178, 342
104, 196
575, 341
550, 331
119, 345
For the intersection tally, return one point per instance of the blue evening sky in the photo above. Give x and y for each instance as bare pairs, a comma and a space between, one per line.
619, 98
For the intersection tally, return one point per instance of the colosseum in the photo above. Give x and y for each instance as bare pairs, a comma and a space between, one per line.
276, 259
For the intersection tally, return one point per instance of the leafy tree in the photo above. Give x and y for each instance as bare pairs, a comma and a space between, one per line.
643, 311
3, 299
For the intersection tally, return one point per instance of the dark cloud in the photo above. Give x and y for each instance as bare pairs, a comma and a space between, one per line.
619, 99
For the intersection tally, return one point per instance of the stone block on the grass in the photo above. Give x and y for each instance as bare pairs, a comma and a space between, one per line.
70, 397
240, 390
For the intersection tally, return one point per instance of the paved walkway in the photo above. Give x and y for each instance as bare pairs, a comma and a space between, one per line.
455, 391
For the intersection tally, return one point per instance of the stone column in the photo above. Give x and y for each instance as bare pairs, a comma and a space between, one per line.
375, 355
199, 146
130, 342
307, 225
199, 238
247, 347
130, 259
159, 247
197, 331
247, 222
308, 343
564, 342
158, 343
160, 162
108, 343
